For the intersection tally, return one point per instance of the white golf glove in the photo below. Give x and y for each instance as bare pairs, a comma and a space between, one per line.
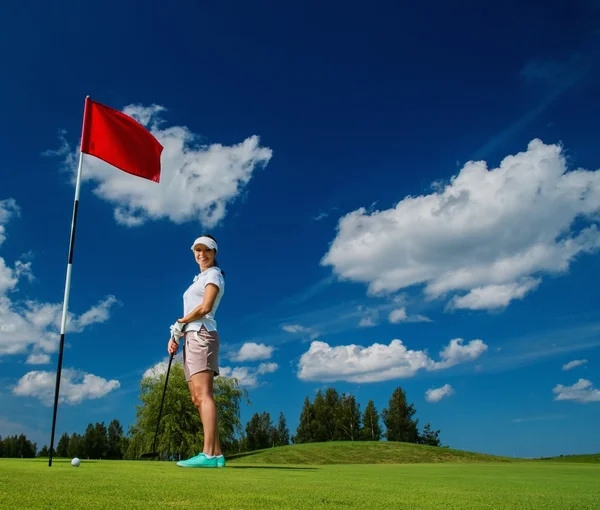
177, 331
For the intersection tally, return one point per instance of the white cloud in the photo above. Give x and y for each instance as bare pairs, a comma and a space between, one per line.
8, 209
267, 368
582, 391
487, 236
490, 297
156, 370
28, 325
160, 368
379, 362
248, 377
75, 386
437, 394
38, 359
293, 328
455, 352
575, 363
8, 278
298, 329
23, 269
370, 316
251, 351
399, 315
95, 315
198, 182
31, 324
367, 322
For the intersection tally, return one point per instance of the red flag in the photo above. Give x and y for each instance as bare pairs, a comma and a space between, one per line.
121, 141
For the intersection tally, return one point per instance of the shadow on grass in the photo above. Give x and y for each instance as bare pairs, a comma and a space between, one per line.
244, 454
273, 467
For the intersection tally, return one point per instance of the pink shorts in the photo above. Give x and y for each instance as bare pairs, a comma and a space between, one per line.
200, 352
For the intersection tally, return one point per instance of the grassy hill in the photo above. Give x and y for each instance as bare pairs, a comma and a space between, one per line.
361, 452
592, 458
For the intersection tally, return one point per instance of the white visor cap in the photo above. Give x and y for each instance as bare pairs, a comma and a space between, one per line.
206, 241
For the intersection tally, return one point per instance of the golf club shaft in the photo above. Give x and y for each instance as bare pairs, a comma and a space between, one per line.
161, 403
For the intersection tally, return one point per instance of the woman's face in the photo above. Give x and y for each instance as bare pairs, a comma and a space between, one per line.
204, 257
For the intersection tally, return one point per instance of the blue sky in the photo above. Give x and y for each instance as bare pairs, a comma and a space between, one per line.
402, 195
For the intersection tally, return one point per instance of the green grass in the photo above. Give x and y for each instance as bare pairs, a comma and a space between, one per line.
593, 458
362, 452
146, 485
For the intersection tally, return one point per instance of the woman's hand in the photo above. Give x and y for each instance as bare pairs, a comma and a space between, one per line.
173, 347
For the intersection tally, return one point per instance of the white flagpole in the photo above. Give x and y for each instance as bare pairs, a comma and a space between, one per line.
63, 324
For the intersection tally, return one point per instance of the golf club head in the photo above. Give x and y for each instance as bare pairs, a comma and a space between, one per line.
148, 455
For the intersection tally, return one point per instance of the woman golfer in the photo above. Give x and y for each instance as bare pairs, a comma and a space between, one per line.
201, 347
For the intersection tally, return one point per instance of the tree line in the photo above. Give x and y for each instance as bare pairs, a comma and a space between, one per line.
261, 433
17, 446
328, 417
98, 442
334, 417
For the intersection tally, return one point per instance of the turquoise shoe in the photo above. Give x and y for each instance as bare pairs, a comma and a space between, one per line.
198, 461
220, 461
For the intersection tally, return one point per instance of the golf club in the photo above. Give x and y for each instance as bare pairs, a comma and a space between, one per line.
154, 453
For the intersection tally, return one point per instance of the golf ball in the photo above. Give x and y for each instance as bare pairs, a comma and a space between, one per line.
75, 462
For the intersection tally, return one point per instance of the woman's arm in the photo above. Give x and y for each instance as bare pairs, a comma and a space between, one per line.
210, 294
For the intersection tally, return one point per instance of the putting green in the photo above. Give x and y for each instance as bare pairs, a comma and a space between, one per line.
151, 484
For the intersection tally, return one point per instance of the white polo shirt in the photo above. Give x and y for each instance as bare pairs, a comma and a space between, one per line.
194, 296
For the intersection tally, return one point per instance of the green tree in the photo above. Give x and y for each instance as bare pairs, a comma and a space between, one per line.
44, 452
319, 425
349, 418
9, 446
331, 416
24, 447
136, 441
283, 433
95, 441
76, 446
115, 440
63, 446
238, 445
259, 432
124, 446
429, 436
101, 433
304, 431
252, 433
273, 436
89, 441
228, 396
180, 430
370, 431
398, 420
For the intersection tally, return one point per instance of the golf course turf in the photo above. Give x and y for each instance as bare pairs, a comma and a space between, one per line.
249, 483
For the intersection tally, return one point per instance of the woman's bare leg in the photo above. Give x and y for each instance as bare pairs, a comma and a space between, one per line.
201, 389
